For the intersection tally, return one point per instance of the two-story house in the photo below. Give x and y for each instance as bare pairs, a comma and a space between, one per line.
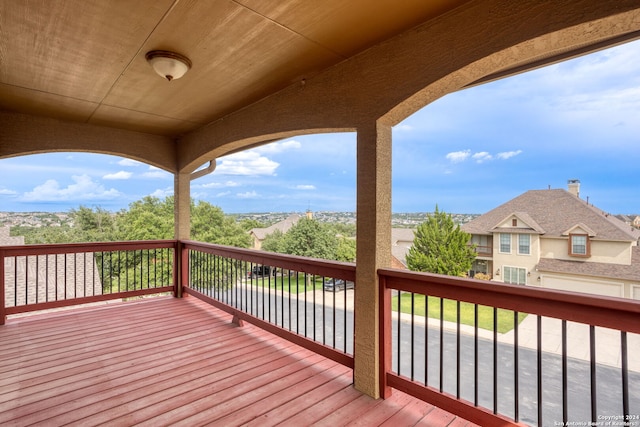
553, 239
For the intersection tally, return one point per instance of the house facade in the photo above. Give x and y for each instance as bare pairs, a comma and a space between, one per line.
553, 239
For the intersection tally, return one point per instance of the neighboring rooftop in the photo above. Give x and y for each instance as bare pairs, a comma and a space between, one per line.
7, 240
283, 226
600, 269
555, 211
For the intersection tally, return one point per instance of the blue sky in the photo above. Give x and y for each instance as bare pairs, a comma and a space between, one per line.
467, 152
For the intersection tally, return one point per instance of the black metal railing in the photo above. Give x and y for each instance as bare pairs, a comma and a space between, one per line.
37, 277
499, 353
292, 296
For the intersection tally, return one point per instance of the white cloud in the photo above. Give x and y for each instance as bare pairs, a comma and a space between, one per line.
278, 147
458, 156
83, 189
154, 172
220, 184
249, 163
508, 154
482, 156
129, 162
162, 193
5, 192
248, 195
118, 175
223, 194
305, 187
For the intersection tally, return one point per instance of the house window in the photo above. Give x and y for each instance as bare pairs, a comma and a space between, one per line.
514, 222
515, 275
524, 244
579, 245
505, 243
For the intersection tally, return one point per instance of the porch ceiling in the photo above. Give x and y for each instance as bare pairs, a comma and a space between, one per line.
85, 61
73, 74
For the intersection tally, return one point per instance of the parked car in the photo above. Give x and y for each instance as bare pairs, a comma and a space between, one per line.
335, 285
261, 270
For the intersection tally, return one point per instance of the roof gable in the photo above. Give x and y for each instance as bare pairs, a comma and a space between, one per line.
518, 222
554, 212
580, 229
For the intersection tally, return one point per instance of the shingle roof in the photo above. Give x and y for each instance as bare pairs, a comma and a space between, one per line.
402, 235
7, 240
555, 212
283, 226
600, 269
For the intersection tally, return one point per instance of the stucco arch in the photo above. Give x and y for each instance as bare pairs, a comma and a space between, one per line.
251, 142
541, 51
23, 135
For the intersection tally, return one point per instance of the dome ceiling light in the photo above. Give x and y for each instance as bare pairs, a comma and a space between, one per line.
169, 65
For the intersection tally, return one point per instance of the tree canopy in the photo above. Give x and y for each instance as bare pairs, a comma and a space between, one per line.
440, 246
150, 218
310, 238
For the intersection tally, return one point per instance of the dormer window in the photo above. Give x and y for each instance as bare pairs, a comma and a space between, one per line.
579, 245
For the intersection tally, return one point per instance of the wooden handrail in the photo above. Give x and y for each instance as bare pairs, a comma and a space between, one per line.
609, 312
320, 267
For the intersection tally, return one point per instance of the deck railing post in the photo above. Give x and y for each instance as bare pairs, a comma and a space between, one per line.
385, 336
177, 269
3, 279
184, 268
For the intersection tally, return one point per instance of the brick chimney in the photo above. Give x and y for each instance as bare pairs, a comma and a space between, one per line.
574, 187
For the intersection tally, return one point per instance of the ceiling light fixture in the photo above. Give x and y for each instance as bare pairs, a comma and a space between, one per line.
169, 65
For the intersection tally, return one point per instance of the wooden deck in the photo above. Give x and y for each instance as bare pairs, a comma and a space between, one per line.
167, 361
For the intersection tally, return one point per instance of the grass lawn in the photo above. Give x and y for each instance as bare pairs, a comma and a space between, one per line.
288, 283
485, 314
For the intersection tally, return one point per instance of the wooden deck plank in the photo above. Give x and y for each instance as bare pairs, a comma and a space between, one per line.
300, 402
168, 361
91, 392
78, 364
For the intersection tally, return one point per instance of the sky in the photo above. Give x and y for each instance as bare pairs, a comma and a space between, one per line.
467, 152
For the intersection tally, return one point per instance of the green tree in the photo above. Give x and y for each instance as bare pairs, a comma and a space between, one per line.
440, 246
248, 224
210, 224
310, 238
147, 219
91, 225
346, 250
274, 242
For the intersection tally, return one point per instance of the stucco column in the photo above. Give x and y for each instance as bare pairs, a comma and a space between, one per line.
182, 206
373, 248
182, 219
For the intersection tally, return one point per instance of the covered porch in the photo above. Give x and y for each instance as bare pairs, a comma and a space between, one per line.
74, 77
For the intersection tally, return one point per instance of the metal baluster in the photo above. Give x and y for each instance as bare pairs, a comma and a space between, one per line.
495, 360
539, 330
441, 344
565, 380
457, 349
426, 340
592, 348
625, 374
475, 354
516, 364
